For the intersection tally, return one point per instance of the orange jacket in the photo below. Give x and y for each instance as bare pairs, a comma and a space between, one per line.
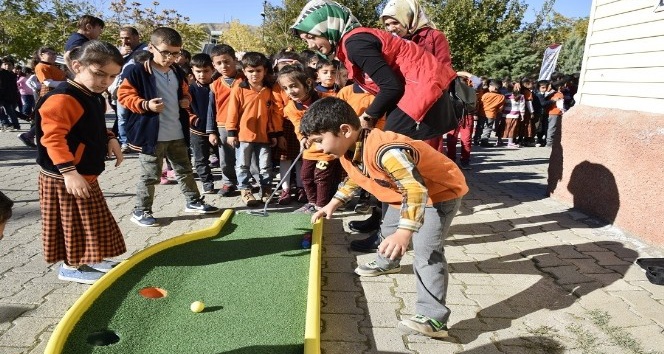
553, 110
492, 104
294, 113
442, 178
252, 114
359, 100
221, 91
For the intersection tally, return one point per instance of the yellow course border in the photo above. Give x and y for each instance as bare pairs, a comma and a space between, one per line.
73, 315
312, 326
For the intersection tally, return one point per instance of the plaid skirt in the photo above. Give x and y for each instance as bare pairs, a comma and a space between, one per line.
80, 231
292, 144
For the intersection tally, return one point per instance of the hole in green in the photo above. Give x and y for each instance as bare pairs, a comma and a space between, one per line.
103, 338
152, 292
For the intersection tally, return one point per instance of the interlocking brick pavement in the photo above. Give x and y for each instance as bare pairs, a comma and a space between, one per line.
528, 274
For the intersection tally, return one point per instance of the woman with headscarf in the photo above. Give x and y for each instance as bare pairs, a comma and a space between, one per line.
409, 83
406, 19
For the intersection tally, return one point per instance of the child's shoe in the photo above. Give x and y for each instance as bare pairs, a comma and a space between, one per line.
143, 218
285, 197
199, 206
302, 196
227, 190
308, 208
513, 146
266, 194
420, 324
82, 274
248, 198
208, 188
372, 269
104, 266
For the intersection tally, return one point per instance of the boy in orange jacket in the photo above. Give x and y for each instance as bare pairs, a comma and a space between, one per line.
492, 105
422, 186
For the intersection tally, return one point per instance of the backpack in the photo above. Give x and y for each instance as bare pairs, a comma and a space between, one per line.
463, 97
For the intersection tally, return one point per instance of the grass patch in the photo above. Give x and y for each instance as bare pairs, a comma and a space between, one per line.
583, 339
618, 335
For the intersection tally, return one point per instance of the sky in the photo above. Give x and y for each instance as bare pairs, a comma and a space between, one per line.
249, 11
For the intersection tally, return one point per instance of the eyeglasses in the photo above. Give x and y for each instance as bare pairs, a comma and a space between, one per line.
166, 54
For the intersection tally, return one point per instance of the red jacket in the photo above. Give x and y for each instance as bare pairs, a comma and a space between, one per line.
425, 77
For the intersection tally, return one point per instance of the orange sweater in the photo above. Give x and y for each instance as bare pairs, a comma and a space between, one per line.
221, 91
553, 110
492, 104
251, 114
359, 100
294, 114
45, 71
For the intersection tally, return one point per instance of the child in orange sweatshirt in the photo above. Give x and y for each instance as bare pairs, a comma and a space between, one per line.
492, 105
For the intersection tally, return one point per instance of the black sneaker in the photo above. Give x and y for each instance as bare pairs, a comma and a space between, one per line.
367, 245
199, 206
23, 137
208, 188
368, 225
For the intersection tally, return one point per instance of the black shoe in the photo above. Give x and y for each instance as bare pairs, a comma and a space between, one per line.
27, 140
368, 225
367, 245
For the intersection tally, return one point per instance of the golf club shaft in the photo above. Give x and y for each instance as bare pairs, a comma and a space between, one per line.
283, 178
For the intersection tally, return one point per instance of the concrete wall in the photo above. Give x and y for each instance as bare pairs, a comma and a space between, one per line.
610, 163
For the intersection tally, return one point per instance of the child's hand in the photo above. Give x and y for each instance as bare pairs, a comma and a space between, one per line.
184, 103
76, 185
304, 144
232, 142
115, 150
156, 105
214, 139
395, 245
367, 121
326, 211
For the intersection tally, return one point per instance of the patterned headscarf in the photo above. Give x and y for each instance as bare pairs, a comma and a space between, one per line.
409, 14
325, 18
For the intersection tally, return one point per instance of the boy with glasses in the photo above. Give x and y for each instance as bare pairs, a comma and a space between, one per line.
157, 94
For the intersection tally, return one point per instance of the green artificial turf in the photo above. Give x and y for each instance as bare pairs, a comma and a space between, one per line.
252, 278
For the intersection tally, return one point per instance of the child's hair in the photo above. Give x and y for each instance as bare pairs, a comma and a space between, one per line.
27, 71
5, 208
221, 49
495, 83
324, 62
307, 55
8, 60
526, 80
96, 52
186, 69
297, 72
141, 56
90, 20
542, 83
186, 55
167, 36
255, 59
326, 115
201, 60
287, 55
36, 59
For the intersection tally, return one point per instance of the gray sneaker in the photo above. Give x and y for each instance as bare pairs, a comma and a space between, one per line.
104, 266
371, 269
143, 218
83, 274
424, 325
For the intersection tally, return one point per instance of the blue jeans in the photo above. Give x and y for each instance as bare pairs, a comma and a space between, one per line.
122, 114
243, 157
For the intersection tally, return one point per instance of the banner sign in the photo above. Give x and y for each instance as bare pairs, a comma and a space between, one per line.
549, 62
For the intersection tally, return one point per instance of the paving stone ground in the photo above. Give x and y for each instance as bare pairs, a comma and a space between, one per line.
527, 273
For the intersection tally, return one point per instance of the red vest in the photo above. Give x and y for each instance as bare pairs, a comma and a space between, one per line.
443, 179
424, 76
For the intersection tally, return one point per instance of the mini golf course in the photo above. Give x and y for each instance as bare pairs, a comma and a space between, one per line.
260, 288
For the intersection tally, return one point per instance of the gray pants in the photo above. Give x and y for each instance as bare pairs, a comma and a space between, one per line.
151, 165
553, 129
226, 160
429, 264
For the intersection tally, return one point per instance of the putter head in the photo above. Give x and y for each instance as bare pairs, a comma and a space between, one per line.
257, 212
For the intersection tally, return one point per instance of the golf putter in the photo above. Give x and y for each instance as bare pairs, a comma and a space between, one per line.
283, 178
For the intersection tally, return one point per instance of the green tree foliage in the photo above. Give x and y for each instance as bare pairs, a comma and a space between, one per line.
510, 56
26, 25
146, 19
278, 19
571, 55
243, 38
471, 26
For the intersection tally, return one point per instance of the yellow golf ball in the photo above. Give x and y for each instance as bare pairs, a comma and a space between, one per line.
197, 306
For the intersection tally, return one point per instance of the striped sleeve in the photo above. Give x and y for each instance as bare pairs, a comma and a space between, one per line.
400, 165
346, 190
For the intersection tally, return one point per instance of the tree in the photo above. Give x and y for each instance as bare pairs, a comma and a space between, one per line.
510, 56
146, 19
472, 25
243, 38
571, 55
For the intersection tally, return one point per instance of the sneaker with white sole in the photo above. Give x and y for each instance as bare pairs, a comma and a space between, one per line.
424, 325
82, 274
199, 206
143, 218
104, 266
372, 269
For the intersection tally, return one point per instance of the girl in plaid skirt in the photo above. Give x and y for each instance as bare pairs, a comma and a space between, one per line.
72, 145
